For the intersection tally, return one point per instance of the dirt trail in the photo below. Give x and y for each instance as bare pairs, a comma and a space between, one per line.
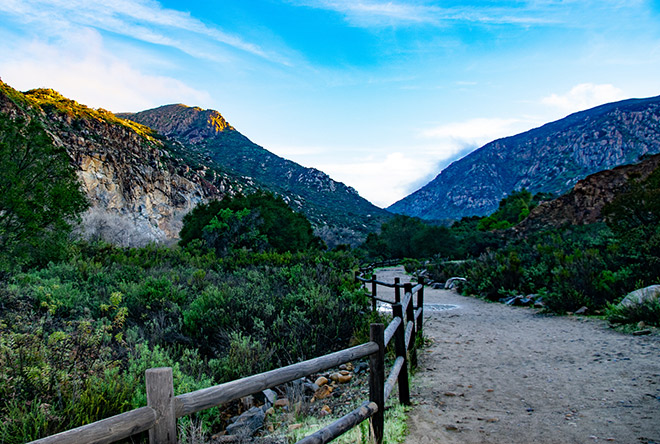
509, 375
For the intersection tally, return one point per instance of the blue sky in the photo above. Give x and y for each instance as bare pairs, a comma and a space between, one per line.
378, 94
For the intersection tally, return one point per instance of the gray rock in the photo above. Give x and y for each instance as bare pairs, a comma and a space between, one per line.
438, 286
582, 311
269, 397
641, 296
452, 282
248, 423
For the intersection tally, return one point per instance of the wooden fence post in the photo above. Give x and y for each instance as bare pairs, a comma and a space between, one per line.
373, 292
420, 305
410, 317
377, 381
400, 348
160, 397
397, 292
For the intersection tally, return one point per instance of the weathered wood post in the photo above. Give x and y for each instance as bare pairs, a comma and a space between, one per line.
373, 292
377, 381
420, 305
160, 397
400, 348
410, 317
397, 292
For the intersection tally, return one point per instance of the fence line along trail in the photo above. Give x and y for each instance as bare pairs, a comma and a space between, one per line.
510, 375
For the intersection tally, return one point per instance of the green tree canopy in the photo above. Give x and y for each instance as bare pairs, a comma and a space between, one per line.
259, 221
40, 196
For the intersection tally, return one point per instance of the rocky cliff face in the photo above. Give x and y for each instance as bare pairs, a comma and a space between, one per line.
337, 212
585, 202
552, 158
137, 190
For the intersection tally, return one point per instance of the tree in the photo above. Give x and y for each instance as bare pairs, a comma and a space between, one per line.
259, 221
40, 196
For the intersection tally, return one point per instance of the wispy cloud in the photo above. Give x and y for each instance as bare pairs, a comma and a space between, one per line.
368, 13
145, 20
584, 96
81, 67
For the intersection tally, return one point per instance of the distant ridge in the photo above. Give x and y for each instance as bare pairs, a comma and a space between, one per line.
551, 158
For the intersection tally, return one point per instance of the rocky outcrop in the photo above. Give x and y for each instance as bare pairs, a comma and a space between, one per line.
137, 191
585, 202
552, 158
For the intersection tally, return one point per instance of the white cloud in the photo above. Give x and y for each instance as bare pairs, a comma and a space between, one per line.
381, 181
81, 68
584, 96
144, 20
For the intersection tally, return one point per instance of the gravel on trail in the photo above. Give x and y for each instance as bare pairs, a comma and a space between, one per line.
493, 373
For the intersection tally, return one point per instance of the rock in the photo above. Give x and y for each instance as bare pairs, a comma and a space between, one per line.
323, 392
582, 310
641, 332
362, 366
638, 297
538, 303
281, 403
248, 423
452, 282
438, 286
321, 381
310, 388
269, 397
515, 301
325, 410
340, 377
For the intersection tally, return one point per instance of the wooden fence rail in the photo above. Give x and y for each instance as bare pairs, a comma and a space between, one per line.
163, 408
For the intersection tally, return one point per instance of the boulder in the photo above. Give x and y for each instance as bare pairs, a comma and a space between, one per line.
452, 282
248, 423
638, 297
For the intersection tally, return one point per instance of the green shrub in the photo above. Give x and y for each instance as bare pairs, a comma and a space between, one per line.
648, 312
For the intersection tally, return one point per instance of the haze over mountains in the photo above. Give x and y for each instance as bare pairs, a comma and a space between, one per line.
551, 159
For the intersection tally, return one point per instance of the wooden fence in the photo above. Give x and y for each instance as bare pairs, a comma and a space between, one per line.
163, 408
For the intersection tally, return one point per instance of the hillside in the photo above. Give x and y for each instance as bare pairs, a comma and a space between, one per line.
141, 183
584, 204
336, 210
138, 192
552, 158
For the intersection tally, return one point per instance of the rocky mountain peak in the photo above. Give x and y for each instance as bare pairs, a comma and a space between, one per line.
191, 123
551, 159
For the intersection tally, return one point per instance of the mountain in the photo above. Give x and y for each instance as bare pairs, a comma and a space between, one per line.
140, 183
137, 191
584, 203
552, 158
336, 210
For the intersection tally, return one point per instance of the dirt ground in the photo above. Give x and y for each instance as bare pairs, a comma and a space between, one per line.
499, 374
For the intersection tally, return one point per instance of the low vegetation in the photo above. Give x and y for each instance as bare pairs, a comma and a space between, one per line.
569, 267
248, 289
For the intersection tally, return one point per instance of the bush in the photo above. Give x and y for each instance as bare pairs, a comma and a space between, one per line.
648, 312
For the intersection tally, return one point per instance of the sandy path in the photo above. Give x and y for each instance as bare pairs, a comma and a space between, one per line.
500, 374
